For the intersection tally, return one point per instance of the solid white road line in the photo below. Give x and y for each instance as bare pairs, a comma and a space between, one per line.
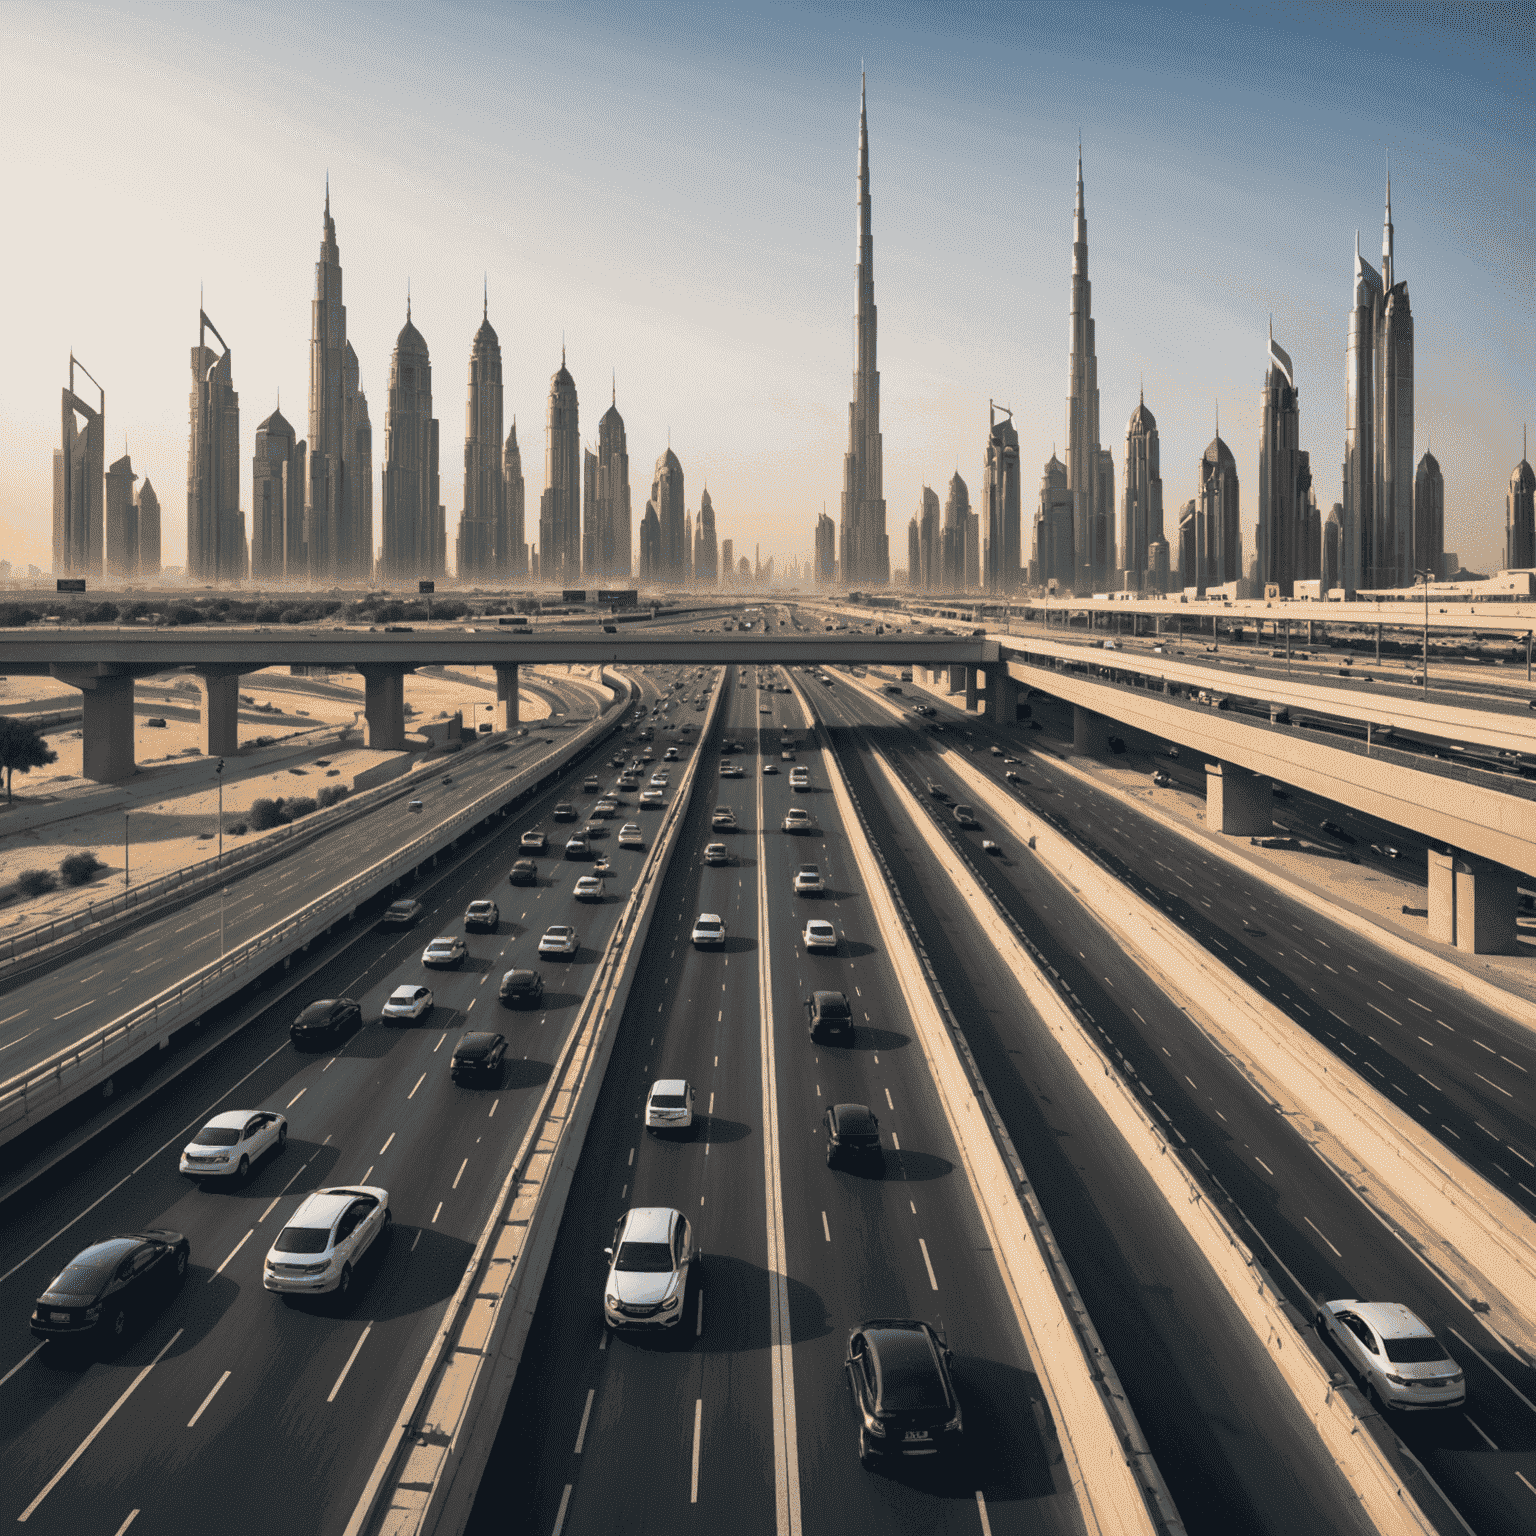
586, 1413
1321, 1234
927, 1263
20, 1363
232, 1252
698, 1327
698, 1426
357, 1349
106, 1418
213, 1394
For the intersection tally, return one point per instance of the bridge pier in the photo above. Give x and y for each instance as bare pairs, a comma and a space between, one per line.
1090, 732
957, 679
221, 710
507, 717
107, 730
972, 695
1237, 802
384, 706
1002, 695
1472, 903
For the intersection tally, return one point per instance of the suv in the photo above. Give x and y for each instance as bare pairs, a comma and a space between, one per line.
523, 872
329, 1233
709, 931
797, 819
565, 811
521, 989
966, 816
482, 917
724, 819
828, 1014
650, 1260
328, 1019
533, 842
670, 1106
479, 1054
898, 1371
809, 881
853, 1135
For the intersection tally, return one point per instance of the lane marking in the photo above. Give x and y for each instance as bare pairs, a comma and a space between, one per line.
1496, 1371
460, 1174
69, 1011
586, 1413
295, 1099
20, 1363
419, 1081
1265, 1166
204, 1404
981, 1509
928, 1263
356, 1351
1321, 1234
826, 1230
698, 1426
385, 1147
133, 1515
232, 1252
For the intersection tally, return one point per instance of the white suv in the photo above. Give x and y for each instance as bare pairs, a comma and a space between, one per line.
709, 931
648, 1270
808, 881
670, 1105
324, 1240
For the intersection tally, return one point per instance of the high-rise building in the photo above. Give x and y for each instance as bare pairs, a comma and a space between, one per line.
560, 505
913, 573
1141, 518
415, 533
1091, 532
930, 576
1055, 524
609, 529
216, 549
1218, 551
1000, 499
650, 544
357, 430
484, 482
122, 520
706, 552
1285, 539
591, 528
865, 556
826, 552
1520, 518
79, 468
957, 517
1332, 552
728, 560
1157, 567
1378, 424
1188, 545
149, 531
277, 503
512, 540
667, 500
1428, 517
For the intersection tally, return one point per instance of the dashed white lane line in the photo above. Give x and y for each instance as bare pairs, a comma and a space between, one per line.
133, 1515
928, 1263
69, 1011
1483, 1432
565, 1498
1496, 1371
1265, 1166
460, 1174
295, 1099
1321, 1234
385, 1147
20, 1363
1505, 1091
698, 1430
357, 1349
232, 1252
586, 1413
981, 1509
888, 1103
826, 1230
202, 1406
419, 1081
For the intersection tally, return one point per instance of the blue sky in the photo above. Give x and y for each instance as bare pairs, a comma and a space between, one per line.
671, 187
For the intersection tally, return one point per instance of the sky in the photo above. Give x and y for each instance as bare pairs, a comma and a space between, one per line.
669, 189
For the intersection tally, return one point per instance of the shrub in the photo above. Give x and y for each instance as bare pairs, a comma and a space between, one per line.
300, 805
239, 829
331, 795
77, 868
294, 616
266, 813
183, 615
15, 615
35, 882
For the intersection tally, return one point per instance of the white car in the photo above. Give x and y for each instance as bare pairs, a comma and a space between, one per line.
660, 779
1398, 1358
709, 931
408, 1002
797, 820
820, 934
559, 939
652, 797
588, 888
670, 1105
770, 767
799, 778
723, 820
731, 770
630, 835
325, 1239
231, 1144
648, 1270
445, 951
808, 881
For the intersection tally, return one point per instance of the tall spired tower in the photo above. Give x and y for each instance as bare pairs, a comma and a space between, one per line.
327, 502
1091, 523
865, 553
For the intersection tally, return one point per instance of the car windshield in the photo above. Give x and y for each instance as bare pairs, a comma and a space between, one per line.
218, 1136
668, 1101
316, 1013
645, 1258
400, 909
707, 922
557, 933
441, 944
303, 1240
1415, 1351
479, 908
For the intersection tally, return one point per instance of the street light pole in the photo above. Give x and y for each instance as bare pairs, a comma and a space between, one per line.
1424, 576
219, 773
222, 894
125, 848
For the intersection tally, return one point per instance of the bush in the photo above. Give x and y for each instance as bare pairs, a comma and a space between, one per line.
35, 882
266, 813
332, 794
239, 829
300, 805
78, 868
16, 615
183, 615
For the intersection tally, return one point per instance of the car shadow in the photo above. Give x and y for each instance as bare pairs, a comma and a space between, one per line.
916, 1167
375, 1041
1008, 1453
523, 1073
718, 1130
868, 1038
475, 966
855, 950
737, 944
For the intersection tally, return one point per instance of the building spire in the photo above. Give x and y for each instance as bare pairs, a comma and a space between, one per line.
615, 400
327, 194
407, 301
485, 303
1386, 235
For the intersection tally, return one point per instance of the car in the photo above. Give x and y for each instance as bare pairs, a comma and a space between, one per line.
770, 767
669, 1106
651, 798
1161, 779
723, 820
670, 755
965, 816
410, 1000
1335, 830
577, 847
446, 951
797, 819
1386, 850
606, 808
328, 1019
617, 761
709, 931
110, 1283
590, 787
402, 913
988, 846
937, 790
716, 853
447, 778
588, 888
482, 917
1396, 1355
799, 779
325, 1239
787, 755
660, 780
521, 989
820, 934
629, 781
630, 835
601, 866
767, 709
523, 872
477, 1057
899, 1373
533, 842
731, 771
650, 1262
853, 1136
808, 880
231, 1144
996, 751
564, 811
560, 939
1012, 777
828, 1014
410, 805
594, 829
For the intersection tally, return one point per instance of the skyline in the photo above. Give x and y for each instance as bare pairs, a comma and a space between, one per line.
737, 348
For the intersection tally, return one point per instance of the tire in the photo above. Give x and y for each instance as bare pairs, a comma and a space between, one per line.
117, 1325
181, 1266
344, 1284
282, 1139
243, 1172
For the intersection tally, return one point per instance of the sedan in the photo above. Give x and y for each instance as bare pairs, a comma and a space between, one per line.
402, 913
709, 931
482, 917
652, 798
106, 1285
1335, 830
966, 816
533, 842
577, 848
731, 771
1398, 1357
408, 1002
660, 780
478, 1056
588, 888
231, 1144
723, 820
649, 1264
524, 872
565, 811
449, 951
325, 1239
716, 853
521, 989
820, 935
809, 881
797, 820
770, 767
560, 939
899, 1373
630, 835
605, 808
328, 1019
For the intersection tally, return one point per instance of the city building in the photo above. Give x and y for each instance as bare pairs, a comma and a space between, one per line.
1332, 553
957, 528
1187, 546
1141, 516
706, 553
560, 505
357, 431
512, 539
1001, 502
1285, 540
148, 560
1091, 517
415, 531
667, 502
914, 554
609, 518
1053, 564
122, 523
728, 558
1157, 567
79, 469
865, 551
277, 503
1218, 552
1429, 519
590, 528
216, 548
650, 544
1520, 518
930, 574
826, 552
481, 522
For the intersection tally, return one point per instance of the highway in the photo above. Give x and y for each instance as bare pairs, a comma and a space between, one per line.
1320, 1240
228, 1377
600, 1434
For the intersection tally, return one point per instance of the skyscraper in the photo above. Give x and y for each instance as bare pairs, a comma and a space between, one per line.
356, 563
1000, 497
1428, 518
149, 531
914, 571
216, 550
415, 538
512, 537
122, 520
79, 468
1520, 518
667, 502
957, 514
277, 502
1285, 479
1188, 545
826, 552
1332, 552
728, 560
1217, 554
1054, 530
706, 552
650, 544
1085, 473
484, 486
591, 528
610, 514
560, 505
1141, 519
865, 557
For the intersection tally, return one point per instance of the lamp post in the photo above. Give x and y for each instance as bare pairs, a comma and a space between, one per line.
125, 848
1425, 576
219, 774
222, 894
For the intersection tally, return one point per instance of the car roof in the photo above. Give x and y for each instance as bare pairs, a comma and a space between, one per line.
854, 1117
709, 917
649, 1224
322, 1208
669, 1085
402, 904
476, 1040
231, 1119
826, 999
407, 989
559, 928
907, 1367
443, 939
481, 904
1391, 1319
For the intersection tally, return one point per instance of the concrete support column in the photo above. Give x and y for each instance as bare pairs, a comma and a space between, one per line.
384, 706
507, 717
1472, 903
221, 711
972, 693
107, 730
1237, 802
1002, 695
1090, 732
956, 679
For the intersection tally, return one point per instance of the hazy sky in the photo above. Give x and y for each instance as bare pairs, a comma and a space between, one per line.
671, 187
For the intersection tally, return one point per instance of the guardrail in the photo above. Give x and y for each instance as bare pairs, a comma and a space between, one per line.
77, 1068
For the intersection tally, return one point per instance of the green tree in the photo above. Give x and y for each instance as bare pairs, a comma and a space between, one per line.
21, 747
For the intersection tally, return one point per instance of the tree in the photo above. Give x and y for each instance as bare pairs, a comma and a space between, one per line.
22, 747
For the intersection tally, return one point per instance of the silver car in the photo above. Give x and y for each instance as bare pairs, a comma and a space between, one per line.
450, 950
709, 931
231, 1144
1398, 1358
650, 1261
325, 1239
559, 939
408, 1002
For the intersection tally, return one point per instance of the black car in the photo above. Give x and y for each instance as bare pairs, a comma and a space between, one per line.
522, 989
898, 1371
401, 914
477, 1055
830, 1015
101, 1290
524, 872
1335, 830
853, 1135
329, 1019
565, 811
